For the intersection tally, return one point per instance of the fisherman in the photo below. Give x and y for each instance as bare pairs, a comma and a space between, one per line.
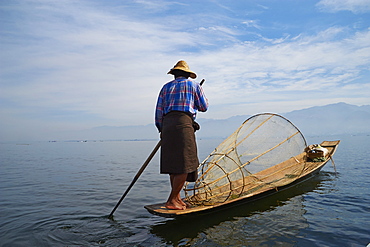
177, 106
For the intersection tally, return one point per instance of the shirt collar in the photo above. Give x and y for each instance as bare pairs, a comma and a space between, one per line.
181, 78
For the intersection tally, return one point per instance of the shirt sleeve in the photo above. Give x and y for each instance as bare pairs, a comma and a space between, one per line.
159, 112
201, 101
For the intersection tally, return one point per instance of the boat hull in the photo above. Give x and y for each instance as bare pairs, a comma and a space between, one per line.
312, 170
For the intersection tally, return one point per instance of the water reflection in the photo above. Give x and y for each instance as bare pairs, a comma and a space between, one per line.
268, 221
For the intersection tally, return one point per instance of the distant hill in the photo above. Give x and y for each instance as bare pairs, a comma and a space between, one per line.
339, 118
219, 128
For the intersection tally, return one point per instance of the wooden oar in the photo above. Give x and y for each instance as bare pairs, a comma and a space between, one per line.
139, 173
136, 177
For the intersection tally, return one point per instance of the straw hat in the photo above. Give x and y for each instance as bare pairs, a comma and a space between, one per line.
182, 65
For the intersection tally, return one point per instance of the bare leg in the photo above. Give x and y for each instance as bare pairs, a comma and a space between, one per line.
177, 182
178, 198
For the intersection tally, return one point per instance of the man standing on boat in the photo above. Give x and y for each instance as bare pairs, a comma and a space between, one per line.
177, 105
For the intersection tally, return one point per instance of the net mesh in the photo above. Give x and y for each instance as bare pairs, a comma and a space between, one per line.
264, 152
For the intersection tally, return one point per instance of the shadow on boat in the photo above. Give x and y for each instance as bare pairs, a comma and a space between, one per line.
188, 227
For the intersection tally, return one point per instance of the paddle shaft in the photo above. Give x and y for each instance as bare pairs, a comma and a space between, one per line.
138, 174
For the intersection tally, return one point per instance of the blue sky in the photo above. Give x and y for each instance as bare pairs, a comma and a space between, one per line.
73, 65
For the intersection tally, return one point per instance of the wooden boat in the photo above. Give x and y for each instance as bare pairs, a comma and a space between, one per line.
242, 169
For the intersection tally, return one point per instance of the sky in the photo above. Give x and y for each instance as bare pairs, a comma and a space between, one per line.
71, 65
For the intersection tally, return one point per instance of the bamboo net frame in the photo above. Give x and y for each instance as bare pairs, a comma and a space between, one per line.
264, 152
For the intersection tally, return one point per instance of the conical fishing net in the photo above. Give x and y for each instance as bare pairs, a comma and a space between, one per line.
263, 153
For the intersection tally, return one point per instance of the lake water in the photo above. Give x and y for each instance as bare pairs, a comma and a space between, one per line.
60, 194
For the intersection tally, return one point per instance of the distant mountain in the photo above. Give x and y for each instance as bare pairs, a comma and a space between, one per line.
135, 132
339, 118
219, 128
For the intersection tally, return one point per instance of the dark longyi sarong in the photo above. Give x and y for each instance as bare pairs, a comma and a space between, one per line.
178, 147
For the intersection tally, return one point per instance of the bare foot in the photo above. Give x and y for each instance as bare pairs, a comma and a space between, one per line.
175, 206
180, 201
187, 205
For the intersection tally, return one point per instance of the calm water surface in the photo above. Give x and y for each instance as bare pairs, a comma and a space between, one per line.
60, 194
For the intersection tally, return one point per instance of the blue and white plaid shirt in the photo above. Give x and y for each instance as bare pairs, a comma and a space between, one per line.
180, 94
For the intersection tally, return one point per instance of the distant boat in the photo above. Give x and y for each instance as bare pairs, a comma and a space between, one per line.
266, 154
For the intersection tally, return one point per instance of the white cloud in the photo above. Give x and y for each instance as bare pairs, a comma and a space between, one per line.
290, 71
355, 6
73, 64
252, 23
